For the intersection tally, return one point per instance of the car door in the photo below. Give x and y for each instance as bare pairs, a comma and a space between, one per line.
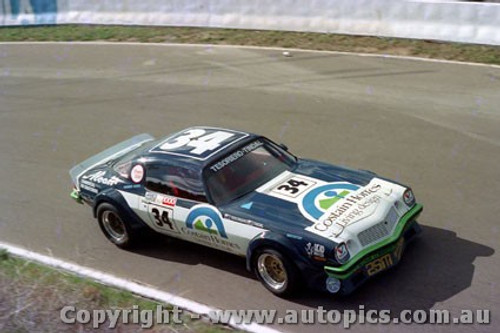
160, 210
176, 205
168, 199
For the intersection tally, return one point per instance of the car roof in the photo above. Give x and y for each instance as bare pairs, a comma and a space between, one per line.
183, 156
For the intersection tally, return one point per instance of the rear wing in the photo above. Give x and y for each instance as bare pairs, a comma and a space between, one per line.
111, 153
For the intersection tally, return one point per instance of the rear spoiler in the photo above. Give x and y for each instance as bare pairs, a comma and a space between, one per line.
111, 153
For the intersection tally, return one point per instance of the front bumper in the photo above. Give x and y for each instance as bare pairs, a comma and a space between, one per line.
377, 257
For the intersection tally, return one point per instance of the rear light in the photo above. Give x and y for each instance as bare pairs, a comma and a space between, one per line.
76, 195
409, 198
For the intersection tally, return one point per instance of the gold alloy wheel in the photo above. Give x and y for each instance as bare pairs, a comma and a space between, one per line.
272, 271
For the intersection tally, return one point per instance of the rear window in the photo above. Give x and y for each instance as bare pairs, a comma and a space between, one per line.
123, 164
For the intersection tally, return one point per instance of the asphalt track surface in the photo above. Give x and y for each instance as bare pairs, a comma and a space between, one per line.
433, 125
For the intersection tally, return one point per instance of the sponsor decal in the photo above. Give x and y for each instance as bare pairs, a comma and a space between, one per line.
247, 205
244, 221
86, 182
137, 173
368, 202
128, 187
205, 225
309, 249
198, 143
169, 201
317, 201
207, 219
236, 156
160, 199
88, 186
342, 253
293, 187
293, 236
212, 240
316, 251
162, 217
334, 206
349, 210
98, 177
150, 196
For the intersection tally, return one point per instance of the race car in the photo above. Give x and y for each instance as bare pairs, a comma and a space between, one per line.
298, 222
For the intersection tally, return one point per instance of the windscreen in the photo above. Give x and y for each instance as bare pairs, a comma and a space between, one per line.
245, 169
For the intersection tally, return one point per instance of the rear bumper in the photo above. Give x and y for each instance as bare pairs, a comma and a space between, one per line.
355, 272
106, 155
75, 195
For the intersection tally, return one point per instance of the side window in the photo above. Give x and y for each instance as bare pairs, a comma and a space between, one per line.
175, 181
123, 168
280, 153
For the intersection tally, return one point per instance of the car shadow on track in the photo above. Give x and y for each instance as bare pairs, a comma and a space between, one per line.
434, 268
177, 250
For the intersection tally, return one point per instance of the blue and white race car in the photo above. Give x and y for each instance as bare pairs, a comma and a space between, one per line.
298, 222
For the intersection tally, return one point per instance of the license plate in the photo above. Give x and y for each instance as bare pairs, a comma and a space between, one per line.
386, 261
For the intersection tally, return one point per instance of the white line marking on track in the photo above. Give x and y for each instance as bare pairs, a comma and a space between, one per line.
134, 287
250, 47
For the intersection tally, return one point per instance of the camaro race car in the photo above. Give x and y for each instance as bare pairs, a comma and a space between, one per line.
298, 222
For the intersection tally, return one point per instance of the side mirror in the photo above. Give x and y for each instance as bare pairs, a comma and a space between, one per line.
283, 146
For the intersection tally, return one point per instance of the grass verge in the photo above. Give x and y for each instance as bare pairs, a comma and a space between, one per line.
301, 40
32, 296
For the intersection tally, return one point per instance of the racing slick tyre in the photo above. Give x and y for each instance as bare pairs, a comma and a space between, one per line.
276, 272
115, 228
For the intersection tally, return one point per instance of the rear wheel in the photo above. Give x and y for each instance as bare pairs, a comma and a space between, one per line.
114, 227
276, 272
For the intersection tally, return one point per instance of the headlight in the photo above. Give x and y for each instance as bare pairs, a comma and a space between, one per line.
341, 253
408, 197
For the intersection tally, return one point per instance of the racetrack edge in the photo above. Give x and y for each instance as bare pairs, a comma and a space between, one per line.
128, 285
250, 47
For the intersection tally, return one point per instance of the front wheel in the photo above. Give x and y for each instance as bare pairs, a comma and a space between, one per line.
114, 227
276, 272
